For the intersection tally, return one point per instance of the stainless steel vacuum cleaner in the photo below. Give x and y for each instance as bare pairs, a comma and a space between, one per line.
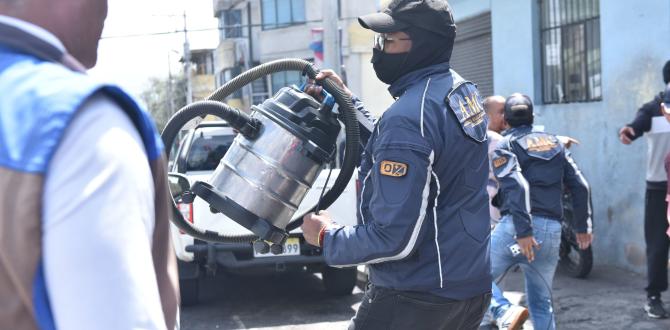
282, 147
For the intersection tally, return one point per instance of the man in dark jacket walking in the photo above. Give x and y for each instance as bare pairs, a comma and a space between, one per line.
424, 210
532, 168
649, 120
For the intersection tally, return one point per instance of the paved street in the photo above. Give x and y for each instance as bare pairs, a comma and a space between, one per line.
288, 301
609, 299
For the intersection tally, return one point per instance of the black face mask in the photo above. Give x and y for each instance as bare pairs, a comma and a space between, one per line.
388, 67
428, 48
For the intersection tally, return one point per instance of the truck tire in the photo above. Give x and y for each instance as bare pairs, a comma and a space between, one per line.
339, 281
189, 291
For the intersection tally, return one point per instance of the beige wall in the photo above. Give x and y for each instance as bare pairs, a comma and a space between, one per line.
203, 85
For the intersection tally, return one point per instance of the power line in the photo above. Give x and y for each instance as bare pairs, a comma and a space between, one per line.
220, 28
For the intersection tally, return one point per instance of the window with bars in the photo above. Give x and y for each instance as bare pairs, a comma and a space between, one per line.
282, 13
570, 39
230, 24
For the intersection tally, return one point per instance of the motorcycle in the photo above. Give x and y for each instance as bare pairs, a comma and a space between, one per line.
573, 260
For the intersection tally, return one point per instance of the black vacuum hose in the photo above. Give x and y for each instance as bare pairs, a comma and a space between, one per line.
213, 106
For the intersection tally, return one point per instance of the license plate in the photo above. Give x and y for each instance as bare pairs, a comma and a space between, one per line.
291, 248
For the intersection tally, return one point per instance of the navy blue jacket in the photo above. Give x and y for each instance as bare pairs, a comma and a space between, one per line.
532, 168
424, 206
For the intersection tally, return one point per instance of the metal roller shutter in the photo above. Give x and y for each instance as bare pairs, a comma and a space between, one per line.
473, 53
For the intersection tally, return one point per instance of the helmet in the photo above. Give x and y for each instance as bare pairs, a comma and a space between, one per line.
518, 110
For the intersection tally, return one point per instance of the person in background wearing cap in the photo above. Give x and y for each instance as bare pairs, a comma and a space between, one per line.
649, 120
531, 168
509, 316
425, 221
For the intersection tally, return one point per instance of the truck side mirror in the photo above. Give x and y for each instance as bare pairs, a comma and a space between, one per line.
178, 184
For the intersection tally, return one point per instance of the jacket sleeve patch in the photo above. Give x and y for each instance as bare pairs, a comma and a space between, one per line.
499, 162
503, 163
394, 169
466, 104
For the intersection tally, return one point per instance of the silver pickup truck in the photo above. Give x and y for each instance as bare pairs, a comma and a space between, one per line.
197, 156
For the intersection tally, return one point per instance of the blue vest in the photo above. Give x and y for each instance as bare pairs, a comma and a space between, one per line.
38, 101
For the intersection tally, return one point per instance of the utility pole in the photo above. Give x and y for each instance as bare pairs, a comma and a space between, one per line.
187, 64
170, 85
250, 55
331, 37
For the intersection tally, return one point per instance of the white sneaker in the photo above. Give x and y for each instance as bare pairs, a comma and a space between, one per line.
513, 318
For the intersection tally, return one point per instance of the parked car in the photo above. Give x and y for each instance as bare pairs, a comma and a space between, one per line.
198, 154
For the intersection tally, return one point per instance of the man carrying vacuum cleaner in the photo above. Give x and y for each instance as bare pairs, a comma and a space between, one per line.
84, 231
531, 168
424, 211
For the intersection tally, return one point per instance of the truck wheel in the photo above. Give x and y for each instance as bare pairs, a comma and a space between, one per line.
339, 281
189, 290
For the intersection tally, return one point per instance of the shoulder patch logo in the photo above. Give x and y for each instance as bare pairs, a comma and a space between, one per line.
473, 113
466, 104
498, 162
540, 143
394, 169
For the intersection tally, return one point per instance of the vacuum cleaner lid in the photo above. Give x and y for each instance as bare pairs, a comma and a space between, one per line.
300, 114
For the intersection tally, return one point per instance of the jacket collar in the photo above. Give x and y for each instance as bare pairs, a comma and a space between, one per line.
399, 86
28, 38
519, 130
34, 30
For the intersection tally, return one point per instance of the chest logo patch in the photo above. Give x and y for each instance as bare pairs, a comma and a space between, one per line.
393, 169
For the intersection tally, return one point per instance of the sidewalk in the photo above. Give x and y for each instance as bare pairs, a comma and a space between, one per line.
610, 298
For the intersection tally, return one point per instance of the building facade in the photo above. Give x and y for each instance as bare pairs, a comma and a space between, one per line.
202, 73
588, 65
258, 31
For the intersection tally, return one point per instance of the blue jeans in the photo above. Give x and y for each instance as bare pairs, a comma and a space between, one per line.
499, 304
539, 274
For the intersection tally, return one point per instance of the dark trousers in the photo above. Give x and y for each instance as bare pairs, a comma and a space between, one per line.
655, 227
386, 309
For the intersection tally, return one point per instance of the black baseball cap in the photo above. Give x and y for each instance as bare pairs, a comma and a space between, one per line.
431, 15
518, 110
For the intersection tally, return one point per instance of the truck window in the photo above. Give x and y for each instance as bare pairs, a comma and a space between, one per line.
206, 151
